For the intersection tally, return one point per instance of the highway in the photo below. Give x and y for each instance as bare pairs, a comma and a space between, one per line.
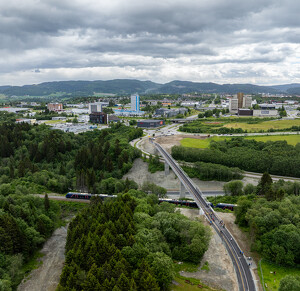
243, 272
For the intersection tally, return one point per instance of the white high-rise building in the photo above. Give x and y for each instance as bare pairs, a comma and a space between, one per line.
247, 102
233, 105
135, 102
95, 107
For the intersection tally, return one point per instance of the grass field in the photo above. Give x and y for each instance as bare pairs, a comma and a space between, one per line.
204, 143
55, 121
272, 280
265, 125
184, 283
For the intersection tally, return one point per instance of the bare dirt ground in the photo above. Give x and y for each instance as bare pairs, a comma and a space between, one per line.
46, 277
244, 241
221, 274
139, 173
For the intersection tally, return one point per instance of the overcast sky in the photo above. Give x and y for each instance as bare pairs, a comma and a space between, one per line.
222, 41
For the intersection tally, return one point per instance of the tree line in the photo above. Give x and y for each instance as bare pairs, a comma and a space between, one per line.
276, 157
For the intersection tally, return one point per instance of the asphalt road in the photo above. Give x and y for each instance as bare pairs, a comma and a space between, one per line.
243, 272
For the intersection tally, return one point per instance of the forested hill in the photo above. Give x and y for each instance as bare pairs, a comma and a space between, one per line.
37, 159
126, 86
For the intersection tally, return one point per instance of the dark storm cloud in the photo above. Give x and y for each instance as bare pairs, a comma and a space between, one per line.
88, 34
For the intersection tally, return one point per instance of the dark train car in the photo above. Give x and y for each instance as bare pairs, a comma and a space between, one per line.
75, 195
188, 203
226, 206
87, 196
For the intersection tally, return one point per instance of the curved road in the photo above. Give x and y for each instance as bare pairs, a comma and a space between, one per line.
243, 272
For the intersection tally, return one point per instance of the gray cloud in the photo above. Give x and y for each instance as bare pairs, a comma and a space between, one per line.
160, 40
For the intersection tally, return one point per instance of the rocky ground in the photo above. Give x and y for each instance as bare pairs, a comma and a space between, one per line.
46, 277
139, 173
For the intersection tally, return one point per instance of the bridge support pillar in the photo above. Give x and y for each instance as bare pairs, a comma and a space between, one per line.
201, 212
167, 169
182, 191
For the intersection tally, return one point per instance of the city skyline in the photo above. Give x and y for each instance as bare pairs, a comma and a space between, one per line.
210, 41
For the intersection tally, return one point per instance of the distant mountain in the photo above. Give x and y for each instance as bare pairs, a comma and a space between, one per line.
80, 88
286, 87
187, 87
126, 86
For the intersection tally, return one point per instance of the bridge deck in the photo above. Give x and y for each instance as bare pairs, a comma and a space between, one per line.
243, 272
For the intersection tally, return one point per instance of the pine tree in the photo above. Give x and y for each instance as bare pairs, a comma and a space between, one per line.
123, 283
46, 202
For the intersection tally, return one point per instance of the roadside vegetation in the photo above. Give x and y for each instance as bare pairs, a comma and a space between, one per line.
154, 164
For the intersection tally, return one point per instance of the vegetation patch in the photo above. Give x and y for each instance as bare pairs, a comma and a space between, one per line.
209, 171
189, 284
273, 274
205, 266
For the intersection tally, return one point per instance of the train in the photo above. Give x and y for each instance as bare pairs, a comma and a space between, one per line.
87, 196
189, 203
226, 206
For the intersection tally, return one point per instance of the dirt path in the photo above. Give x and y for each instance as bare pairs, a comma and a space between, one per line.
46, 277
221, 274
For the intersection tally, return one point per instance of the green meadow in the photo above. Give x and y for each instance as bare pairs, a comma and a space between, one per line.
204, 143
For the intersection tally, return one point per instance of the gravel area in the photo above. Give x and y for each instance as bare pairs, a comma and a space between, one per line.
139, 173
46, 277
221, 274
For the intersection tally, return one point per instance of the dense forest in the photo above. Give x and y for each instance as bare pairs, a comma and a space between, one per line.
25, 224
274, 227
277, 157
35, 159
129, 243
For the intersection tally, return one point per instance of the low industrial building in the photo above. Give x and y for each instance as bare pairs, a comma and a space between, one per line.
169, 112
150, 123
59, 118
245, 112
113, 118
265, 113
